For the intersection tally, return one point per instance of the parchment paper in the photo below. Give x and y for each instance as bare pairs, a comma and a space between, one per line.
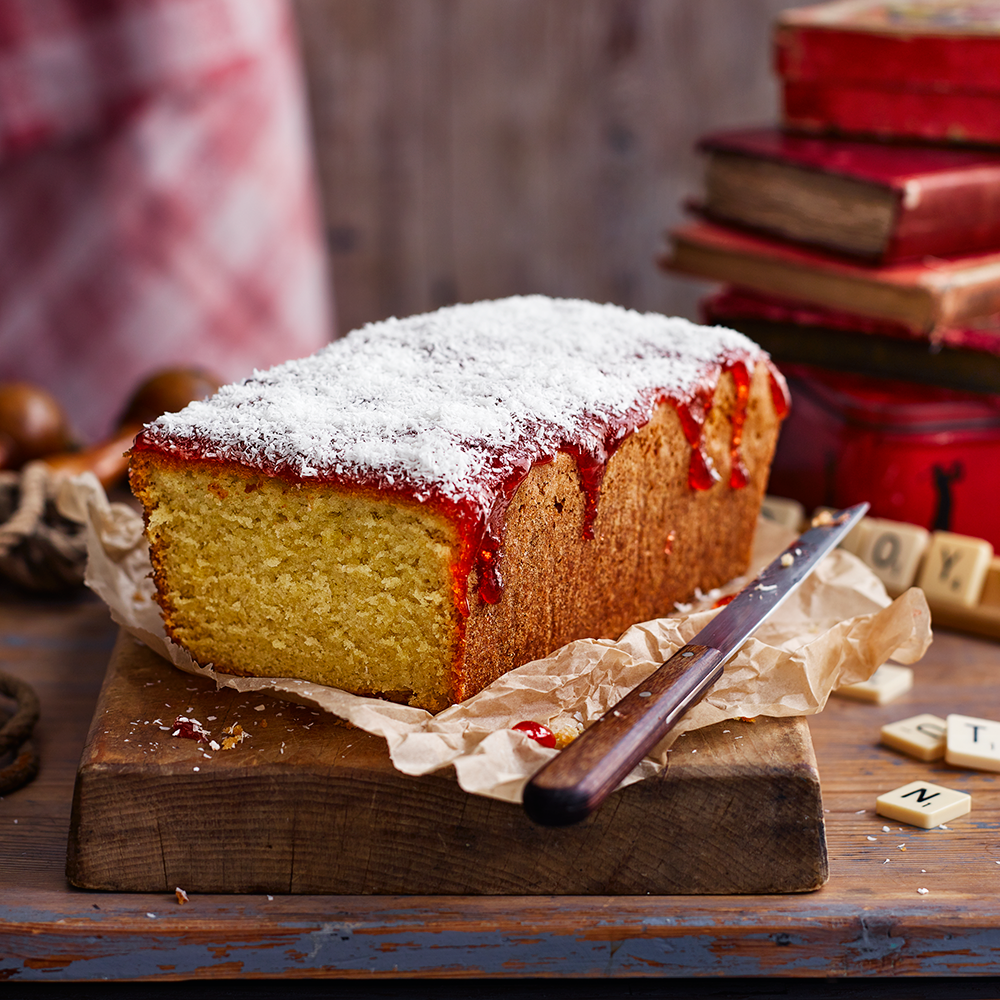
838, 628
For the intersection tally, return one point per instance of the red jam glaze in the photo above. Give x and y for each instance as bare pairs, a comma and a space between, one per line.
738, 474
481, 540
702, 474
779, 392
592, 464
487, 539
537, 732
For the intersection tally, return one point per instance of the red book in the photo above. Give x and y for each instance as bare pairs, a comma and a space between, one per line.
741, 303
963, 358
883, 202
926, 71
924, 296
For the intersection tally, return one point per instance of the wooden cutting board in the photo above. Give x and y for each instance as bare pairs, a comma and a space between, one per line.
307, 804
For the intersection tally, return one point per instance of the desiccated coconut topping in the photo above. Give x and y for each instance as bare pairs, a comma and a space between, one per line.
452, 402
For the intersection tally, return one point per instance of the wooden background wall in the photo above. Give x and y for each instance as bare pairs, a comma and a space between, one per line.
479, 148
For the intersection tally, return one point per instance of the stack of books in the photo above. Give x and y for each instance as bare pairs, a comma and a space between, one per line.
859, 243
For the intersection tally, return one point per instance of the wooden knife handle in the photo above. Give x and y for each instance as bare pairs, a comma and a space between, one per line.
574, 784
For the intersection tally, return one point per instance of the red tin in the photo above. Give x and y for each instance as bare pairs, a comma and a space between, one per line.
916, 453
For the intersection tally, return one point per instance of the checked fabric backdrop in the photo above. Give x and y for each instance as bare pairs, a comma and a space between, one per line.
157, 199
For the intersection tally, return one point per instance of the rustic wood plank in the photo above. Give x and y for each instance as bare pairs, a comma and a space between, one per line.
475, 150
308, 805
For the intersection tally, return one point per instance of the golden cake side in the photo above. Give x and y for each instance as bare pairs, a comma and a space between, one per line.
262, 576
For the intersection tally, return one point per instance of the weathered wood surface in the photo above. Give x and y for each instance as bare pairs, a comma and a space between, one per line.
308, 805
473, 149
868, 920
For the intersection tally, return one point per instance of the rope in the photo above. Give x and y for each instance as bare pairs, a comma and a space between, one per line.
30, 508
16, 732
40, 550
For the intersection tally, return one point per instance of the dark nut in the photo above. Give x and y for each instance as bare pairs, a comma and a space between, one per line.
167, 392
32, 424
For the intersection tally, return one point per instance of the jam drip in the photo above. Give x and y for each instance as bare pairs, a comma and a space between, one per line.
702, 475
489, 552
738, 474
592, 464
779, 393
490, 580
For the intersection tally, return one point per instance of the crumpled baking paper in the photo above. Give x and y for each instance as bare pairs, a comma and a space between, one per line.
836, 629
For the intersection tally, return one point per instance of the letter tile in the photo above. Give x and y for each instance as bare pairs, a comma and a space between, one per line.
921, 736
887, 683
921, 803
990, 597
787, 513
955, 568
893, 551
973, 743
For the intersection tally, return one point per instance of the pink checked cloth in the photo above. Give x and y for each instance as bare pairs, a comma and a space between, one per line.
157, 201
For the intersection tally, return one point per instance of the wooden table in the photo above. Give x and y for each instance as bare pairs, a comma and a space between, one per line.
869, 920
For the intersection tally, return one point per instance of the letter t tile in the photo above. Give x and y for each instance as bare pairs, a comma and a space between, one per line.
973, 743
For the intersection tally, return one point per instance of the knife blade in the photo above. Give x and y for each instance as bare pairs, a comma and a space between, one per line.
573, 784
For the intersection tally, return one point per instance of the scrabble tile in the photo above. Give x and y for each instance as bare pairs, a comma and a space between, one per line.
921, 736
921, 803
990, 597
787, 513
955, 568
887, 683
893, 551
973, 743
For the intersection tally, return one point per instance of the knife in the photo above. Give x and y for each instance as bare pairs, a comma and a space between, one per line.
572, 785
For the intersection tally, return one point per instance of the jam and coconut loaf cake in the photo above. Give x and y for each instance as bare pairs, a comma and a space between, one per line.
432, 501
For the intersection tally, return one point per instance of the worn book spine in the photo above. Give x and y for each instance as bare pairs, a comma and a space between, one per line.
949, 213
946, 201
923, 296
732, 303
962, 359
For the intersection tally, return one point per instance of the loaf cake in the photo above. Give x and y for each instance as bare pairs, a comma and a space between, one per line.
430, 502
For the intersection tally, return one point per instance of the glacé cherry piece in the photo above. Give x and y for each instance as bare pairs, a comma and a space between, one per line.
537, 732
